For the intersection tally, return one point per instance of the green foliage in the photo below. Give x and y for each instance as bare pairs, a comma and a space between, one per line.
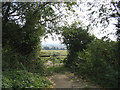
93, 58
22, 34
16, 61
22, 26
105, 51
24, 79
11, 60
76, 40
56, 69
102, 62
99, 62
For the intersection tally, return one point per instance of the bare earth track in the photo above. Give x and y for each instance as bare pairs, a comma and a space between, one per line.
68, 80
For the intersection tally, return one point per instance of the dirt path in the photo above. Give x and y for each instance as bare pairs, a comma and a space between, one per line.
49, 64
68, 80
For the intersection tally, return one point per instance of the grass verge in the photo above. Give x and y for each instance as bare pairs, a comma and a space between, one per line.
56, 69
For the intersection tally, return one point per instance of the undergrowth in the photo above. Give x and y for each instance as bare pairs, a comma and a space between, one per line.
56, 69
24, 79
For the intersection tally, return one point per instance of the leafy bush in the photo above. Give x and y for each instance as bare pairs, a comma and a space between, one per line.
101, 57
11, 60
15, 61
76, 39
24, 79
99, 62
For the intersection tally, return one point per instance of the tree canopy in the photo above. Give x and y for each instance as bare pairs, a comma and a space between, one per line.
76, 38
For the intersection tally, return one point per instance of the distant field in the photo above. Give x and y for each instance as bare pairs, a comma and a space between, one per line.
60, 53
51, 52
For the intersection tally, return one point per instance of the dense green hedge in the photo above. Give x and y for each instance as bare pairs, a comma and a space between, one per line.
98, 62
15, 61
23, 71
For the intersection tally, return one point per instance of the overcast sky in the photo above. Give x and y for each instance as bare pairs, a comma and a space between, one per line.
80, 15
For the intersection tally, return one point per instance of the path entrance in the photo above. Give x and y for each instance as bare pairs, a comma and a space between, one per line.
69, 80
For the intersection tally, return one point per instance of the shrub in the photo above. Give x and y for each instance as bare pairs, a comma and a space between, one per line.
24, 79
99, 61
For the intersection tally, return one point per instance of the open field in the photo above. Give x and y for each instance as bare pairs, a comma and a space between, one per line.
60, 55
57, 52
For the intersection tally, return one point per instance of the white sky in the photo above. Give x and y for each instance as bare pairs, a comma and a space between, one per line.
49, 40
82, 17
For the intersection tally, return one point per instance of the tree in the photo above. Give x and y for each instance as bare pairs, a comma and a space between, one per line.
101, 17
46, 48
22, 27
117, 16
23, 23
76, 40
